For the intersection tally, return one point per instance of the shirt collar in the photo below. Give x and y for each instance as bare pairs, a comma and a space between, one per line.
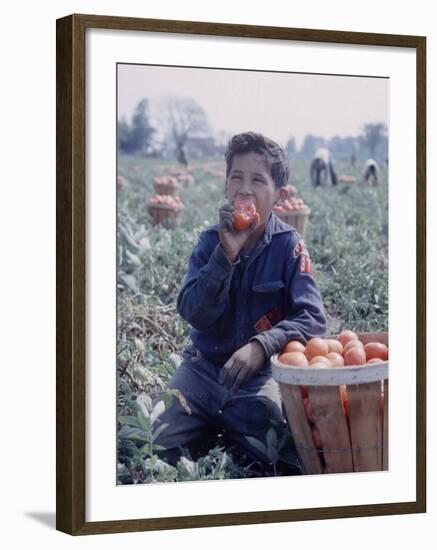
274, 227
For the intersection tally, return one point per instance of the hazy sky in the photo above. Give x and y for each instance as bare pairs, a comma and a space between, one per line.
279, 105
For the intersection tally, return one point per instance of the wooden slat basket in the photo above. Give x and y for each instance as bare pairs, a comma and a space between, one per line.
162, 213
357, 442
167, 188
296, 218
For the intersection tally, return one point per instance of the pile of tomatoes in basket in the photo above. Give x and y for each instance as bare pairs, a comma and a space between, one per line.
344, 350
165, 180
166, 200
290, 205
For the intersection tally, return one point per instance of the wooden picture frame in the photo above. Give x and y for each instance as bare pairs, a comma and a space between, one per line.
71, 262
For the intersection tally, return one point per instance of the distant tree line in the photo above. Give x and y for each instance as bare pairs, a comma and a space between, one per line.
136, 137
186, 133
371, 143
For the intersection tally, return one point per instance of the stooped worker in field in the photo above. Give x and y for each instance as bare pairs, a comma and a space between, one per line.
249, 289
371, 172
322, 167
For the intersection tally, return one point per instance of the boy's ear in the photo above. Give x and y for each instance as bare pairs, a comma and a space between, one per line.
283, 193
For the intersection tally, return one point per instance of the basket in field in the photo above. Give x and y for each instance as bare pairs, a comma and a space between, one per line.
296, 218
163, 213
355, 440
167, 188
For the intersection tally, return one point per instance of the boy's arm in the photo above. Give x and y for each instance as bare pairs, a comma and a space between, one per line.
305, 317
205, 292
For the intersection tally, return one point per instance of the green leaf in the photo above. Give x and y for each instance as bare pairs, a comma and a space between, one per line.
158, 447
129, 420
158, 431
127, 234
144, 398
144, 404
130, 281
158, 409
125, 388
147, 449
186, 466
143, 421
169, 394
133, 259
127, 432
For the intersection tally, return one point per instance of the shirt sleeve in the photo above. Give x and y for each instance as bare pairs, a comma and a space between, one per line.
205, 293
305, 315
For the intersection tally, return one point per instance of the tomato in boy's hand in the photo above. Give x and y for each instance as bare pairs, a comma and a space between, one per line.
244, 214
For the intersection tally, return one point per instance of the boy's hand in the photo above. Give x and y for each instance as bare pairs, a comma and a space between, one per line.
231, 240
243, 364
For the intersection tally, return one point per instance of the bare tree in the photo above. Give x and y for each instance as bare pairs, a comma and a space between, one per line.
185, 118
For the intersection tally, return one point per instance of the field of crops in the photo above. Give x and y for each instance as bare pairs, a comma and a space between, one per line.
347, 237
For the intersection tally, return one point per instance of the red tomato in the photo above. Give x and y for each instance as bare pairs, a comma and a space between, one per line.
316, 346
375, 350
294, 359
334, 346
346, 336
320, 364
335, 359
355, 356
244, 214
293, 345
352, 344
320, 359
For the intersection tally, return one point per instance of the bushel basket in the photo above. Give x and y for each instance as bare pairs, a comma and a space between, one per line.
167, 188
353, 440
162, 213
295, 218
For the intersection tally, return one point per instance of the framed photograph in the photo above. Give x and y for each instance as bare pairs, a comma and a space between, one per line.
241, 274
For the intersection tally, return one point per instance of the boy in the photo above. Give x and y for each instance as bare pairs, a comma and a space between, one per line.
246, 293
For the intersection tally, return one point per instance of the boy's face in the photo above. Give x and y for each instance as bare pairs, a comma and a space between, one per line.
250, 179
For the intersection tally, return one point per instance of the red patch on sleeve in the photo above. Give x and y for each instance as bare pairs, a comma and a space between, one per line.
299, 249
305, 264
263, 324
274, 315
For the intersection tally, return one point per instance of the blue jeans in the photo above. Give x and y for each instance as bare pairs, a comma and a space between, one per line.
251, 411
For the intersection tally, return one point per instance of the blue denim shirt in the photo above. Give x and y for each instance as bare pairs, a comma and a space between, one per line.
270, 296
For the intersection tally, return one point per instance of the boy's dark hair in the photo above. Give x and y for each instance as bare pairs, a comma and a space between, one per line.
251, 142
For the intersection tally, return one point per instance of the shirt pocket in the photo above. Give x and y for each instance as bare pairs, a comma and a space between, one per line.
267, 300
